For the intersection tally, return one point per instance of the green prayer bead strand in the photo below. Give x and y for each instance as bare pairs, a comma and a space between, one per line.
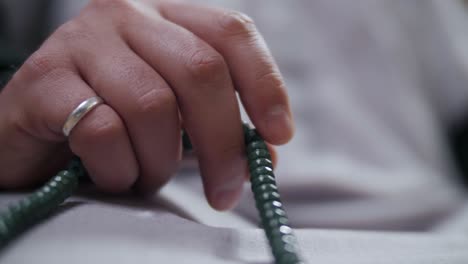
20, 215
274, 220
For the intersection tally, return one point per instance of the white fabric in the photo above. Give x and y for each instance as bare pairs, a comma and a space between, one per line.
372, 84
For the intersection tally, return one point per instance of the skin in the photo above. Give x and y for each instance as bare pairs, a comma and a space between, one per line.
157, 65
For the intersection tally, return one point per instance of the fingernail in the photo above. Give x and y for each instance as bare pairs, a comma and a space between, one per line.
279, 124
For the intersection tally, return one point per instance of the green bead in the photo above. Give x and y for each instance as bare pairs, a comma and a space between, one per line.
276, 222
65, 181
289, 258
284, 243
186, 143
59, 177
26, 207
252, 146
263, 189
263, 170
25, 203
259, 153
76, 168
4, 231
269, 187
68, 175
16, 213
32, 206
274, 213
46, 190
40, 201
250, 135
262, 179
271, 205
289, 239
265, 197
53, 197
278, 233
39, 195
260, 162
8, 220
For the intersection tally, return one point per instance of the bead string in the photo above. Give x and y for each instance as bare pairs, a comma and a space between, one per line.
35, 207
275, 223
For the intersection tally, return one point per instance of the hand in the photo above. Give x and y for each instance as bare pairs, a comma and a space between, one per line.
155, 64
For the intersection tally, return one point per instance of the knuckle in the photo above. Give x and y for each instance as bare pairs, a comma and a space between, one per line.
104, 129
124, 72
39, 64
272, 87
119, 10
125, 69
154, 101
74, 30
109, 5
206, 64
98, 130
270, 78
234, 23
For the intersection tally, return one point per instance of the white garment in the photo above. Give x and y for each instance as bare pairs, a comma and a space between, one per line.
372, 85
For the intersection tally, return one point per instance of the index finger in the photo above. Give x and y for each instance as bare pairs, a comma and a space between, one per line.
254, 72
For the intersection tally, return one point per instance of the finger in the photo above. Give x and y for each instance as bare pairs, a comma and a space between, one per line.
138, 94
253, 69
274, 155
101, 141
203, 87
50, 90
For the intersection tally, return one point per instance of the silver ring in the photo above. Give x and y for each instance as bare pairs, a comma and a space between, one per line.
79, 112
